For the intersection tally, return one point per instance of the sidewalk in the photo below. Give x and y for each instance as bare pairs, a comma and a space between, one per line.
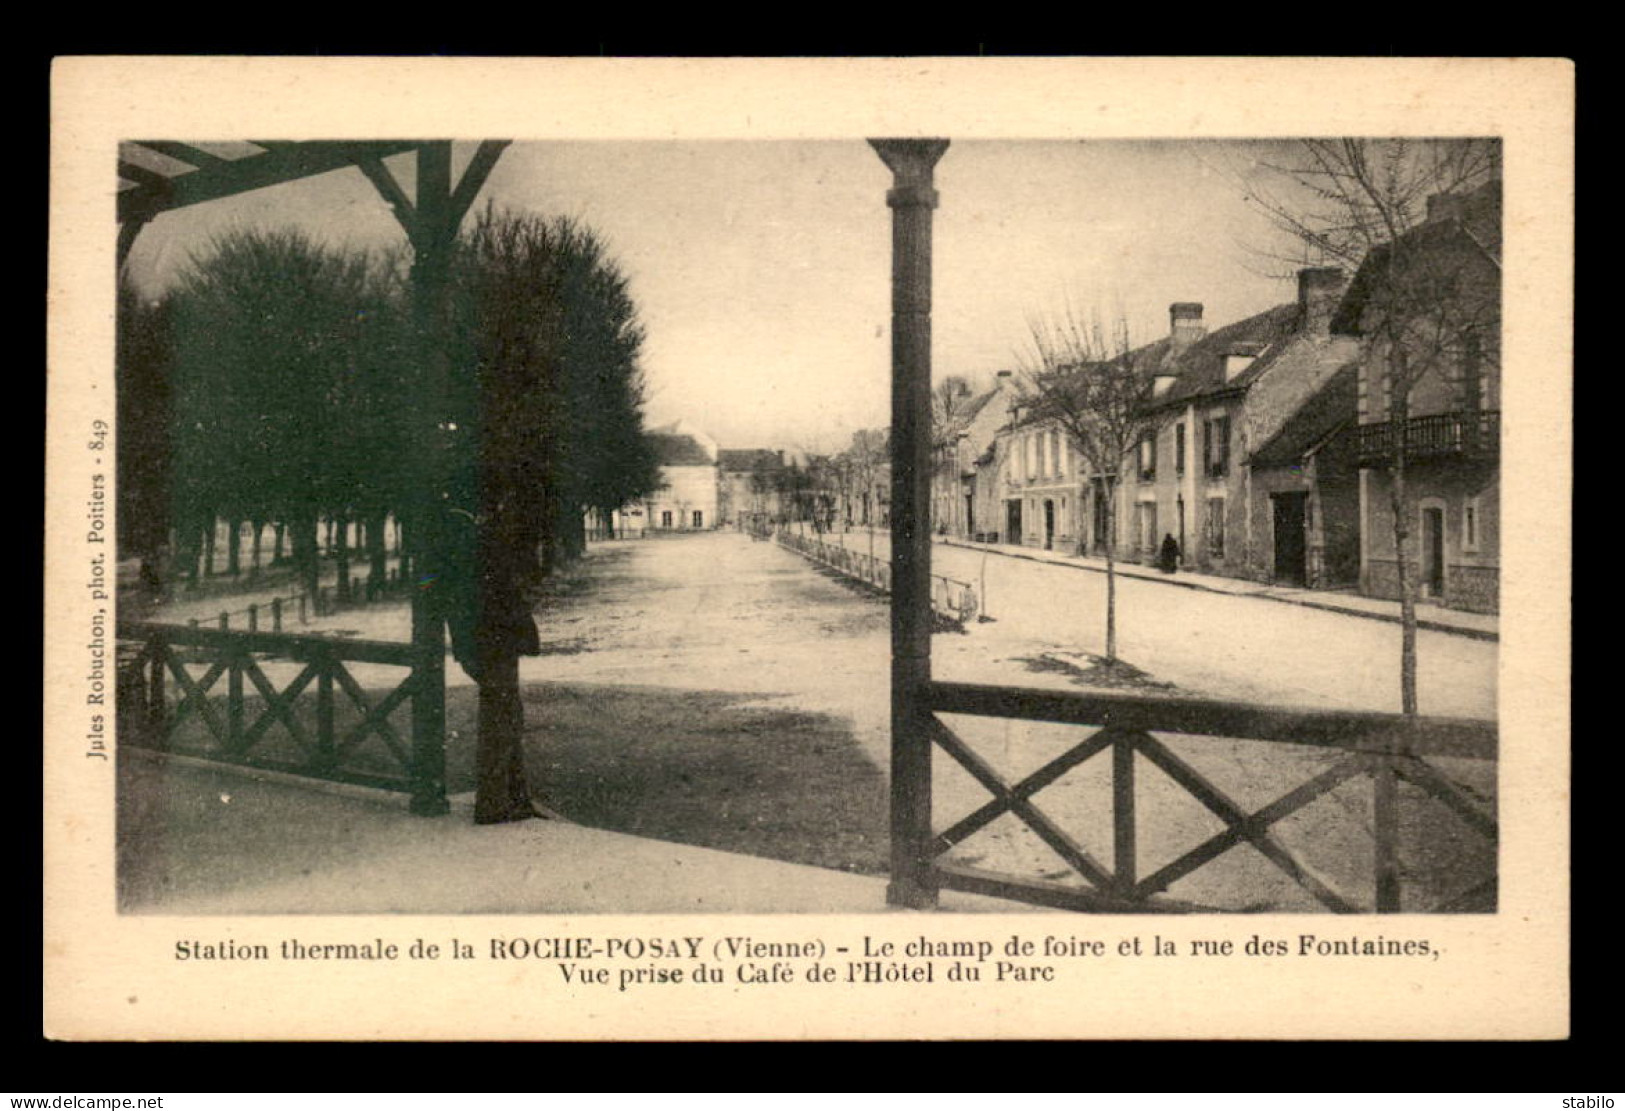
204, 839
1478, 626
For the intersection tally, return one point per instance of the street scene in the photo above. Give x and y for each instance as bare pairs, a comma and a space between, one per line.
523, 529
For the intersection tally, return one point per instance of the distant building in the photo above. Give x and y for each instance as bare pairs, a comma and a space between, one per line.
749, 486
688, 497
962, 496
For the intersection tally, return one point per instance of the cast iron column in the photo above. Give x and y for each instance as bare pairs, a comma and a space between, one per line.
911, 200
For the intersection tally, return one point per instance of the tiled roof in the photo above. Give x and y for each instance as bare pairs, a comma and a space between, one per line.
1478, 231
1200, 367
677, 450
747, 458
1336, 403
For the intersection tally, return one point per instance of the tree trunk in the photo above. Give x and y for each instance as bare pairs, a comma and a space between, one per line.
192, 551
1407, 584
1399, 411
234, 548
341, 527
210, 538
306, 558
1111, 575
502, 792
254, 551
377, 556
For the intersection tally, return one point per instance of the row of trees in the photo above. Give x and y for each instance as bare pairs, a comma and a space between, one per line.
278, 384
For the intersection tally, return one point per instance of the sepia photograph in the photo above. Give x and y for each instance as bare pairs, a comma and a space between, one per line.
1052, 546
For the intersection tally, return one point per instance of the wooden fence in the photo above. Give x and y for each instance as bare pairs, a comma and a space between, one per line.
1385, 749
168, 674
950, 598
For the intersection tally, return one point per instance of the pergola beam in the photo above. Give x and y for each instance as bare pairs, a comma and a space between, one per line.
186, 152
280, 163
479, 168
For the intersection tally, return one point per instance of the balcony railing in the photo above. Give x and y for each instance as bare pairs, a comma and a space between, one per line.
1469, 435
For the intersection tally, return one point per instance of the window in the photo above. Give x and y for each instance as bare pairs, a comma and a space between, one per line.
1216, 447
1470, 525
1472, 374
1215, 528
1148, 456
1179, 448
1060, 456
665, 518
699, 519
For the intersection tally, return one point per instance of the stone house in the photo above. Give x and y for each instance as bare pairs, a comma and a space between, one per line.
1450, 438
1220, 397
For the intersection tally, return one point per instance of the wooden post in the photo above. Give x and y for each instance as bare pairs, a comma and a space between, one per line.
326, 740
156, 712
431, 232
234, 704
276, 615
253, 617
911, 200
1385, 832
1124, 871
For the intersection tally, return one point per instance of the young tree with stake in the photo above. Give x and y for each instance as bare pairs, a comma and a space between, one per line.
1086, 383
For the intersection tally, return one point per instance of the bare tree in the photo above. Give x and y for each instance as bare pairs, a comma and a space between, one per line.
1084, 380
1389, 210
950, 405
866, 460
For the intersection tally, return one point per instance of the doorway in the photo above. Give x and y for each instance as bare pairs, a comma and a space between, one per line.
1049, 525
1012, 521
1432, 552
1291, 534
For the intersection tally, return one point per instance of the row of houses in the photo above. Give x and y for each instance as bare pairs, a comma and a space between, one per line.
1268, 451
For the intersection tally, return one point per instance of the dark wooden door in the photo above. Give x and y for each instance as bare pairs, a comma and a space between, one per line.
1291, 538
1433, 552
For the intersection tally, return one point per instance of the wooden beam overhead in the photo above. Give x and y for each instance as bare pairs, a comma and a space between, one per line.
185, 152
281, 162
479, 168
390, 189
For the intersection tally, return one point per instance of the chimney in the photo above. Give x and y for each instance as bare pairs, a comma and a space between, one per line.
1185, 324
1320, 288
1445, 206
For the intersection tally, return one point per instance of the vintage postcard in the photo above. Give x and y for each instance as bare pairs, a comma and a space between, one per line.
808, 549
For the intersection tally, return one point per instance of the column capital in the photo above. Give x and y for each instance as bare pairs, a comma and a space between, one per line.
910, 160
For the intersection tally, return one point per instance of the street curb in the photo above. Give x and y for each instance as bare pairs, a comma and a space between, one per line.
1329, 607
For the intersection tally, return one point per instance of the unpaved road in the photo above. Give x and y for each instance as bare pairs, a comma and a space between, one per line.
725, 692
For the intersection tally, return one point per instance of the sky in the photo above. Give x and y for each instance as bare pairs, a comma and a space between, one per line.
762, 269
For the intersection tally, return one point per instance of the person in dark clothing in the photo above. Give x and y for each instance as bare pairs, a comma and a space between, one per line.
1168, 555
490, 567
